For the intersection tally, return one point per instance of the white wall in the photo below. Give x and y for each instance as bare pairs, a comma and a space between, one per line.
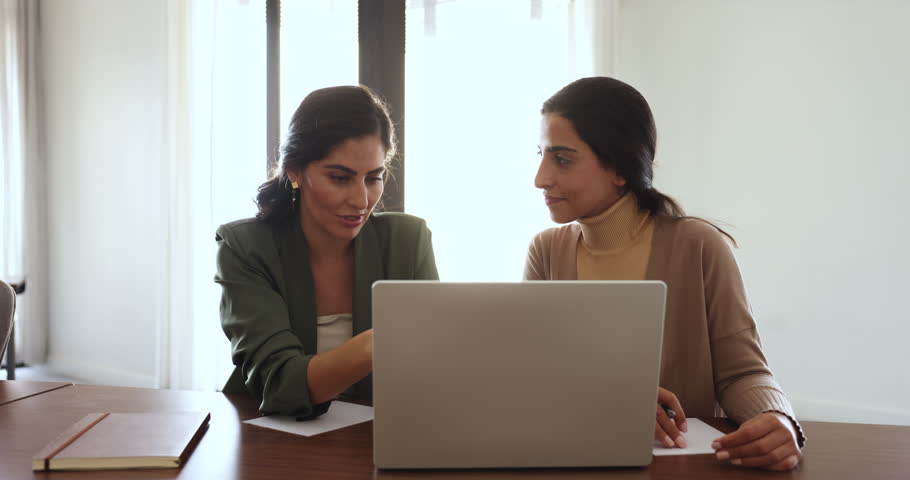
791, 121
104, 66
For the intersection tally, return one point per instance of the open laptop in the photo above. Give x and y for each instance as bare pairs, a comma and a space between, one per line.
515, 375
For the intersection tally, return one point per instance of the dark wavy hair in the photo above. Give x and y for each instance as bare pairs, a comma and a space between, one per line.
614, 119
325, 118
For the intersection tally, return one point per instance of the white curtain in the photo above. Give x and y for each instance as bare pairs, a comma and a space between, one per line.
477, 73
22, 171
216, 150
214, 145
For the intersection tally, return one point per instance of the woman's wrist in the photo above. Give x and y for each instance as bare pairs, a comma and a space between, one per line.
792, 424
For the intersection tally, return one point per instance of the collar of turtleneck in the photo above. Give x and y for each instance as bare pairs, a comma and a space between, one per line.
617, 227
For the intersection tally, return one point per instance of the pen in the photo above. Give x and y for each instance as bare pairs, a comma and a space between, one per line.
670, 412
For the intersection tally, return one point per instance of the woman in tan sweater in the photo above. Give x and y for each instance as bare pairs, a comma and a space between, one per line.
597, 152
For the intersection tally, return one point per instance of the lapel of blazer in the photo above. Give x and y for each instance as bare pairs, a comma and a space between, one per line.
368, 268
299, 287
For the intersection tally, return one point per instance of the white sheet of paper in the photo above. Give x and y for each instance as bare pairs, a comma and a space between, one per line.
698, 440
340, 415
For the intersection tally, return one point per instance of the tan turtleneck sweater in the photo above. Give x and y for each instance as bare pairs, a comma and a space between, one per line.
616, 244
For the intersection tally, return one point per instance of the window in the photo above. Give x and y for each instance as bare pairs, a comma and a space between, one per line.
477, 73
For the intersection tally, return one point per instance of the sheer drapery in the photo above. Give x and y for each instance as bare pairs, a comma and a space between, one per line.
22, 172
215, 145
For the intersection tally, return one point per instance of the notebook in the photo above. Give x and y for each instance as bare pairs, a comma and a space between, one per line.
124, 440
515, 375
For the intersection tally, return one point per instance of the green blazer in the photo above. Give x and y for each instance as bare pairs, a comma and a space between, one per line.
268, 303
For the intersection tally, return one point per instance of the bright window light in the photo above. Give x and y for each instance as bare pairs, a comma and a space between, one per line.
477, 73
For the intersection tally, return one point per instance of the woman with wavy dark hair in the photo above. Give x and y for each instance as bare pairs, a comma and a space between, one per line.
597, 147
296, 279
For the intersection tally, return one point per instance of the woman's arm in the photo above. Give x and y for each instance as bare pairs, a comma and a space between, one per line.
331, 373
743, 381
254, 317
770, 436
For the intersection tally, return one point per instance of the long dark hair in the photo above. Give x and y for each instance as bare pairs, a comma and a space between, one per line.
324, 119
614, 119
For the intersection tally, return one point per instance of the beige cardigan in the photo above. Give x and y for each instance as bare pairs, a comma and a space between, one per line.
711, 352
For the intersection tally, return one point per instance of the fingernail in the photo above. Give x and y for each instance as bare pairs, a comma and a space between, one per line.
715, 444
667, 442
723, 455
681, 442
685, 427
736, 461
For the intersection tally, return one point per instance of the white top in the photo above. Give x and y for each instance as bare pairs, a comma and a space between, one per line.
333, 330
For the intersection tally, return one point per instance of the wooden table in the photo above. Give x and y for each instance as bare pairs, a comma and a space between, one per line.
11, 391
231, 449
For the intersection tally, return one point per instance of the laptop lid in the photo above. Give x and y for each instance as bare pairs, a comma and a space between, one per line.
514, 375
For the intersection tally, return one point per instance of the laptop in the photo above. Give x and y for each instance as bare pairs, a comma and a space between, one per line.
515, 375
